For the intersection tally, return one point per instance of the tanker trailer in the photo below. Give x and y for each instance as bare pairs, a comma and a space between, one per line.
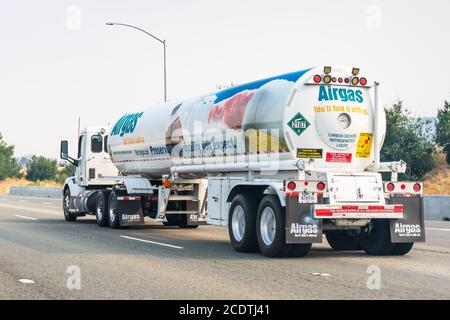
280, 161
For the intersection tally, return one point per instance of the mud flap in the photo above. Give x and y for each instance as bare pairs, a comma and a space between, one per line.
301, 226
130, 212
411, 228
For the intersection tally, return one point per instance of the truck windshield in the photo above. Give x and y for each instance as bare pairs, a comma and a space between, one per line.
97, 143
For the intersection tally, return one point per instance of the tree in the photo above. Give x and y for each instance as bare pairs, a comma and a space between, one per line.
443, 129
41, 168
8, 164
405, 140
63, 173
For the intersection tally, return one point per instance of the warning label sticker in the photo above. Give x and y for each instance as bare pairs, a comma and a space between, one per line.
339, 157
309, 153
364, 145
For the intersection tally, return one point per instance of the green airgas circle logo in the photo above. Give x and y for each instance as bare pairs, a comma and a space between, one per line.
126, 124
298, 124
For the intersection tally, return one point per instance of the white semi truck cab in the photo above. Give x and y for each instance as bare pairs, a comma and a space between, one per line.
280, 161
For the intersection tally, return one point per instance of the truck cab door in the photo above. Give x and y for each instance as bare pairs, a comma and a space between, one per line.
98, 161
80, 174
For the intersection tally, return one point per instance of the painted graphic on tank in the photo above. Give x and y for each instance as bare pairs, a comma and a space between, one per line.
236, 121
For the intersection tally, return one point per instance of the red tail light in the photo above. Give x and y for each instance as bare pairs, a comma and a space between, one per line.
390, 186
321, 186
291, 185
417, 187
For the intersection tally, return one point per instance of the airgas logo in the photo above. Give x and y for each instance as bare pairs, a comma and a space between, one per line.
126, 124
342, 94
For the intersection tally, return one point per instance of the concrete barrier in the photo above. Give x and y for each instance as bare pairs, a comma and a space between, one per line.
436, 207
41, 192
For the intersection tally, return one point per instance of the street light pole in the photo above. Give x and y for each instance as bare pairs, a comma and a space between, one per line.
154, 37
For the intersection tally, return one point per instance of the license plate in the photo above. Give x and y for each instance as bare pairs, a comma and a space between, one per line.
307, 197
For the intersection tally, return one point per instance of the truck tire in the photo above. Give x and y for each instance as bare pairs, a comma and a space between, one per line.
378, 242
101, 209
299, 250
68, 216
270, 228
113, 215
242, 223
343, 240
401, 249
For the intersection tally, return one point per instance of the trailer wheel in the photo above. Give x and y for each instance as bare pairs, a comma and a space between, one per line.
402, 248
68, 216
378, 242
343, 240
101, 209
271, 228
112, 210
242, 223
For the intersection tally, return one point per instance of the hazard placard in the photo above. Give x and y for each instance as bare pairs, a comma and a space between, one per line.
364, 145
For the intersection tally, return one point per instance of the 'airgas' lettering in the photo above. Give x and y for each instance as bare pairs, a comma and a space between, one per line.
126, 124
343, 94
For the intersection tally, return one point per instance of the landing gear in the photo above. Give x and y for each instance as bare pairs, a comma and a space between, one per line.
179, 221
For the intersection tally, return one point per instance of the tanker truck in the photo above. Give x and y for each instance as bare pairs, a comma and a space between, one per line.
280, 161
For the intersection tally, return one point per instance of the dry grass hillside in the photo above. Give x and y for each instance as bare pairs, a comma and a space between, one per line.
438, 180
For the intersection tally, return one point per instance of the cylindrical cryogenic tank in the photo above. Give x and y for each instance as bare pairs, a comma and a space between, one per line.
322, 113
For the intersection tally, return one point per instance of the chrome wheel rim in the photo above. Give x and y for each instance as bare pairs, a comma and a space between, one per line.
112, 210
100, 209
268, 226
66, 203
238, 223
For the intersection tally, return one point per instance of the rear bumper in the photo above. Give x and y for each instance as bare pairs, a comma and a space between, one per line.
358, 211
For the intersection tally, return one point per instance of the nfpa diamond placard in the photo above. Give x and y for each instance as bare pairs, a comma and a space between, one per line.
298, 124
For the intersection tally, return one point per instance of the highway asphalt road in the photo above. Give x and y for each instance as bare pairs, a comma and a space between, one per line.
156, 262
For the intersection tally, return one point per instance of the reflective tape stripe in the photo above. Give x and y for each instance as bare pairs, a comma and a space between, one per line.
128, 198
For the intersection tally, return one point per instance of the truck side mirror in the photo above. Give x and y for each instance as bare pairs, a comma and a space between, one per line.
64, 153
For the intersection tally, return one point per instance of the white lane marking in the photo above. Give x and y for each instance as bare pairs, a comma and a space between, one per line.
26, 281
152, 242
47, 203
320, 274
25, 217
437, 229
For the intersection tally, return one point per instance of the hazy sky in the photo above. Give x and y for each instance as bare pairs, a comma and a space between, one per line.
58, 59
